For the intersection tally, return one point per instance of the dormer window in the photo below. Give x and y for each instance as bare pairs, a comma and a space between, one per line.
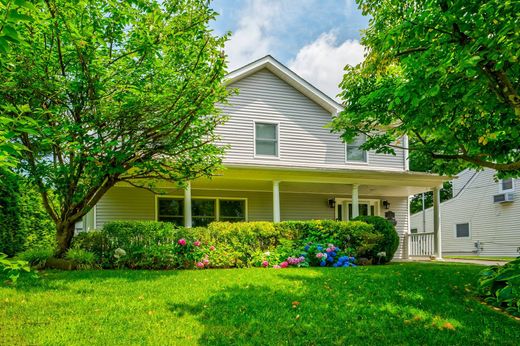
266, 139
353, 152
507, 185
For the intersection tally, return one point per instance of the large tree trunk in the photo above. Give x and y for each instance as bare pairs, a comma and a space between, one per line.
64, 234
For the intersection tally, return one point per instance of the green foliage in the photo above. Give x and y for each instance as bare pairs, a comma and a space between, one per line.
24, 224
416, 202
500, 286
13, 268
435, 72
81, 259
120, 91
37, 257
389, 241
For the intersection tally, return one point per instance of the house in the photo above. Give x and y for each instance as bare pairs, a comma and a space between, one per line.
482, 218
282, 164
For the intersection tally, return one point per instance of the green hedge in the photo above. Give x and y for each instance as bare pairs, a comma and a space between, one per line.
242, 244
390, 241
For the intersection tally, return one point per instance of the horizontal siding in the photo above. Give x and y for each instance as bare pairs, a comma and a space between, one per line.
496, 226
304, 139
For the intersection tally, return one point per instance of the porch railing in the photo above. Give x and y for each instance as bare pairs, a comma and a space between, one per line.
421, 244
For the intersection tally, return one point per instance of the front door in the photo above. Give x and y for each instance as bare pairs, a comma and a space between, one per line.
344, 208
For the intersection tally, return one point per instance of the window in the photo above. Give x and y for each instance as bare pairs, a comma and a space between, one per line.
353, 151
232, 210
364, 209
506, 185
462, 230
266, 139
203, 210
171, 210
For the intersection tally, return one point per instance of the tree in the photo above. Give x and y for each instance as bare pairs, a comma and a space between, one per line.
122, 91
445, 73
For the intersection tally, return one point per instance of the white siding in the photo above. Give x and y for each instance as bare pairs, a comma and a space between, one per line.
496, 226
304, 140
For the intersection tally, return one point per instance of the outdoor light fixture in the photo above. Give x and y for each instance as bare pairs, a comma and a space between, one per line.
332, 203
386, 204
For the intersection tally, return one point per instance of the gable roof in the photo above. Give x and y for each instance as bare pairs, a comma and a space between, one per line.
291, 78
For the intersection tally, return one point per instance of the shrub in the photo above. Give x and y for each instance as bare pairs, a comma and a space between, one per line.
390, 242
13, 267
81, 259
37, 257
500, 286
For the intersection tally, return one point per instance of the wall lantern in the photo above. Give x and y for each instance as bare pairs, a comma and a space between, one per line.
386, 204
332, 203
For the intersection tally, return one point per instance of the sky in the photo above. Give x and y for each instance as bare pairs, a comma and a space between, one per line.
314, 38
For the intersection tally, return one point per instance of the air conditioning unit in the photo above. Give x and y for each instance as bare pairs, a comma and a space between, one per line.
503, 197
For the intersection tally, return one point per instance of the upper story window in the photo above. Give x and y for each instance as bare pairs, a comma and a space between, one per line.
266, 139
507, 185
353, 152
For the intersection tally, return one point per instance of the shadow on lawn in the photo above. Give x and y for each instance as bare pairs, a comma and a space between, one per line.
358, 307
62, 280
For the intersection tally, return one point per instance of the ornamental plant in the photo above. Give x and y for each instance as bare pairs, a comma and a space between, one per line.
329, 255
190, 254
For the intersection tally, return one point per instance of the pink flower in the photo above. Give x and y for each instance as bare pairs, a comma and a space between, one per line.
200, 265
284, 264
182, 241
211, 248
205, 261
319, 255
276, 266
196, 243
265, 264
329, 249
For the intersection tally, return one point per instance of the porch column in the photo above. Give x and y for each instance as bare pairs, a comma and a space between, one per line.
355, 200
276, 201
187, 206
437, 233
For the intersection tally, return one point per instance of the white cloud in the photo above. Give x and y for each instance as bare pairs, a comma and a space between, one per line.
321, 62
251, 40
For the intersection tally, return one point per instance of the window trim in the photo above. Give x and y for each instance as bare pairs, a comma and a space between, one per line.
216, 199
366, 162
277, 123
500, 188
376, 203
455, 230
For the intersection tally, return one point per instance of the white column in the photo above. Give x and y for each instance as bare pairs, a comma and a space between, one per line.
437, 233
276, 201
187, 206
355, 200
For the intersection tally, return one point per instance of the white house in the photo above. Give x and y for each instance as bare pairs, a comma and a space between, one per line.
282, 164
482, 218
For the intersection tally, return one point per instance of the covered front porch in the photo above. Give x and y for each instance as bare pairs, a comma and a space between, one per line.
276, 194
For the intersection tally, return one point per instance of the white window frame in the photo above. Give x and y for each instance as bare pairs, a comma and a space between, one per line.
216, 199
357, 162
455, 230
501, 190
277, 123
371, 202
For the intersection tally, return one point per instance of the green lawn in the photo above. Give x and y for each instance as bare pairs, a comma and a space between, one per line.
483, 258
398, 304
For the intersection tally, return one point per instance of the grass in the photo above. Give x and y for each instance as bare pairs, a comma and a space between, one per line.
483, 258
398, 304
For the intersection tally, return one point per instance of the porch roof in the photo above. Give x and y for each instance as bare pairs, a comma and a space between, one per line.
330, 181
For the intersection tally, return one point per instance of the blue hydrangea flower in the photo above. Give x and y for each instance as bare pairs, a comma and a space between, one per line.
306, 248
330, 259
319, 248
353, 265
351, 258
346, 265
336, 265
323, 264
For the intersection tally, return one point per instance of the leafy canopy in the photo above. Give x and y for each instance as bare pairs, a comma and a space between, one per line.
445, 73
121, 91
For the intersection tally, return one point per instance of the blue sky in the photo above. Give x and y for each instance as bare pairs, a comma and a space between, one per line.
315, 38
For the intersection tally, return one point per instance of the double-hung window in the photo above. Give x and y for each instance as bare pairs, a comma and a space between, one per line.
353, 151
266, 139
507, 185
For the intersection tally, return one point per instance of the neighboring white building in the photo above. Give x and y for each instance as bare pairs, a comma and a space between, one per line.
483, 217
283, 163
